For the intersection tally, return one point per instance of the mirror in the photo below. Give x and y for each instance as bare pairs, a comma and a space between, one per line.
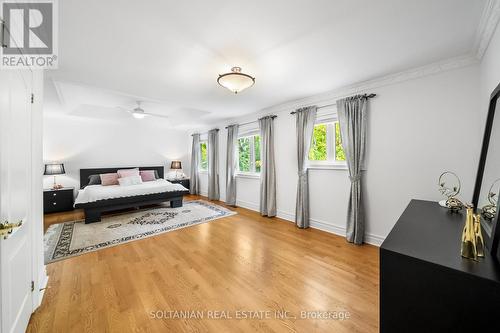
487, 188
490, 186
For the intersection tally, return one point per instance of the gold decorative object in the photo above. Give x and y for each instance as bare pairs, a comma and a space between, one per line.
7, 228
478, 235
490, 210
450, 192
468, 248
454, 204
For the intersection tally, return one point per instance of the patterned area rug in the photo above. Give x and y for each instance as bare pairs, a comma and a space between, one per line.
71, 239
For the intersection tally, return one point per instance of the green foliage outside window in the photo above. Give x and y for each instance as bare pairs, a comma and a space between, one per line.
320, 145
249, 154
339, 150
244, 154
203, 155
318, 151
257, 153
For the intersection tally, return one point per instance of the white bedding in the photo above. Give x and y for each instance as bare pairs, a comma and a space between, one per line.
94, 193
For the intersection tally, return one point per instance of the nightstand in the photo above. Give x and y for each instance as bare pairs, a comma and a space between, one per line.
184, 182
58, 200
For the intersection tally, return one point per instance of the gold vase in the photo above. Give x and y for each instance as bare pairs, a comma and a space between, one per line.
478, 235
468, 248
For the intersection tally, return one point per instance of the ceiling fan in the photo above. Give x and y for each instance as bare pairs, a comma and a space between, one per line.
139, 113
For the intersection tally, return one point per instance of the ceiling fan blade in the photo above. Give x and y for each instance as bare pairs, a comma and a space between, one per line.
156, 115
123, 109
98, 112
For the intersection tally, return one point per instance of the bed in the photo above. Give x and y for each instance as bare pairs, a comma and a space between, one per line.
96, 199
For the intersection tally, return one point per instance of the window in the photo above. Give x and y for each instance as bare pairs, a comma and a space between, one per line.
326, 146
203, 156
249, 154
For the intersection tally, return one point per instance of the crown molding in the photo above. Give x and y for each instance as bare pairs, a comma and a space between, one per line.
410, 74
487, 26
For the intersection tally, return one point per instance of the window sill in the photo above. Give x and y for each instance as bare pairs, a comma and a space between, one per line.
328, 167
248, 175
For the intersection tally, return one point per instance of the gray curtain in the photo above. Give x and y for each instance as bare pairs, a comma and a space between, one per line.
267, 172
232, 142
213, 164
304, 120
194, 187
352, 119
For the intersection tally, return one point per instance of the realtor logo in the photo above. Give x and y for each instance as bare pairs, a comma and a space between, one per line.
29, 36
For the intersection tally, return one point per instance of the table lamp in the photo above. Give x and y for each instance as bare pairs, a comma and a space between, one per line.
54, 169
176, 165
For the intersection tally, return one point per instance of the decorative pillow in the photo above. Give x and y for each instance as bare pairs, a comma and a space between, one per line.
109, 179
147, 175
131, 180
94, 180
128, 172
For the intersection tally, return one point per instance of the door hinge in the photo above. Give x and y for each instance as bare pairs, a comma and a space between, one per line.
32, 98
32, 286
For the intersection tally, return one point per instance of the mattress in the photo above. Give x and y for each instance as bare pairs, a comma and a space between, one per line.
93, 193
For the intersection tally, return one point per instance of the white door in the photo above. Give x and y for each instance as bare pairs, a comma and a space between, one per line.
15, 183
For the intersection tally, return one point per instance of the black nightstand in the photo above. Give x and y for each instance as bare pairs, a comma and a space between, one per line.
184, 182
58, 200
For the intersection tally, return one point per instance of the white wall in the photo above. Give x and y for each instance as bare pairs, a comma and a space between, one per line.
417, 129
91, 143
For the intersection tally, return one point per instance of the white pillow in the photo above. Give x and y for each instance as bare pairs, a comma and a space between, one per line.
122, 173
132, 180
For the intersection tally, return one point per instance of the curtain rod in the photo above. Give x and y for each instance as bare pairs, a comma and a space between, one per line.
325, 106
205, 132
251, 122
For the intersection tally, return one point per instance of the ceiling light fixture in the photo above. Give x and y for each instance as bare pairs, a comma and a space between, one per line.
138, 113
236, 81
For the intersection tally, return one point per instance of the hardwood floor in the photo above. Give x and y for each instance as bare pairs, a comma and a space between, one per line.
243, 263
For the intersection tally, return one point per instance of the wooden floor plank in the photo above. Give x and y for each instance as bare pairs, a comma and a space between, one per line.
243, 262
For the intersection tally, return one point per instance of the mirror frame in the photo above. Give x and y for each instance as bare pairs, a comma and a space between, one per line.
492, 241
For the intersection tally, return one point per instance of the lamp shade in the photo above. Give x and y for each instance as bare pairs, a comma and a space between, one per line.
176, 165
54, 169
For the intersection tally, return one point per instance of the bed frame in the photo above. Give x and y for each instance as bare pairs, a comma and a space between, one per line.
93, 210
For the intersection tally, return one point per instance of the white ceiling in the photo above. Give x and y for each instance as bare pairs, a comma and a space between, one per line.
170, 52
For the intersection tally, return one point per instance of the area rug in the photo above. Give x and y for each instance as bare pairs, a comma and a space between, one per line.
70, 239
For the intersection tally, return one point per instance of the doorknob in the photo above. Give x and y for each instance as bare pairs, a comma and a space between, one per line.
6, 228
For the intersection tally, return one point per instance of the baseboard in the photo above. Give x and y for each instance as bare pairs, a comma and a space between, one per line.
42, 286
341, 231
247, 205
315, 224
286, 216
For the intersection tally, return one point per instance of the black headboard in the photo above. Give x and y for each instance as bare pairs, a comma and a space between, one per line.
85, 173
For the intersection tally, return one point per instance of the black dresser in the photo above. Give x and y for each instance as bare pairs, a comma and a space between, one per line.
426, 286
58, 200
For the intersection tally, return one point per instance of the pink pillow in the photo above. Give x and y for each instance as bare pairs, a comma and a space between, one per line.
128, 172
147, 175
109, 179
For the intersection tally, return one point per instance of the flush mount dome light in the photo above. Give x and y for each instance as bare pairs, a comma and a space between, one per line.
236, 81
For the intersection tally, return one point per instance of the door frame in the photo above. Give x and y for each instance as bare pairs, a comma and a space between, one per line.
40, 277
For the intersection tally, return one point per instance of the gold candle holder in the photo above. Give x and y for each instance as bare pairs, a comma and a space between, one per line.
478, 235
468, 248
